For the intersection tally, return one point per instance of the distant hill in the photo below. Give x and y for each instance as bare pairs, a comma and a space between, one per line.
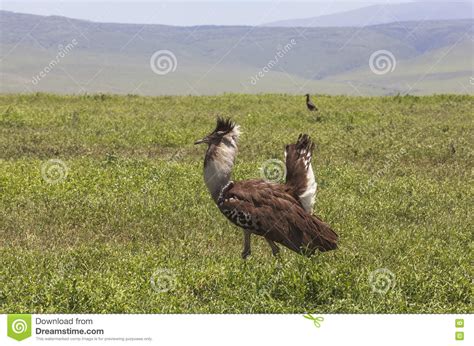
58, 54
385, 13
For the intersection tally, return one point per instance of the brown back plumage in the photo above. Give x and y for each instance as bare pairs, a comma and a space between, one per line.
270, 210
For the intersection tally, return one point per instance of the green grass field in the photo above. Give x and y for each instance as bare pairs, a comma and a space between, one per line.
131, 227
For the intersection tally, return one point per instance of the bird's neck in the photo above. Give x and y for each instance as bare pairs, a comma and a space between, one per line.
218, 166
307, 98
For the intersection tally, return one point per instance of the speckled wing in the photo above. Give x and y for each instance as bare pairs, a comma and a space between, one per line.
269, 210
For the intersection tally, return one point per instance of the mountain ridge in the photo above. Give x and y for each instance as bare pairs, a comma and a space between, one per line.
384, 14
213, 59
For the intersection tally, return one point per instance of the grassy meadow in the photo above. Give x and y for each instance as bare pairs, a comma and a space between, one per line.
124, 223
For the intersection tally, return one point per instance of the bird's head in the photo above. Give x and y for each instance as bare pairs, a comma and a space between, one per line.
307, 95
226, 132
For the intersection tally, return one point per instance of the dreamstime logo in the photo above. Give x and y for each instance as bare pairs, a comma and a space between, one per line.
65, 267
272, 283
163, 280
149, 199
471, 80
163, 62
63, 51
280, 54
177, 155
54, 171
382, 62
19, 326
382, 280
204, 213
273, 170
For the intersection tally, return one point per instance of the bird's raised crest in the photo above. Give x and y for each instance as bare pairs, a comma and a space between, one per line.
224, 125
227, 128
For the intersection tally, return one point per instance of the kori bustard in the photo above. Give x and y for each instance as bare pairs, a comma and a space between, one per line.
281, 213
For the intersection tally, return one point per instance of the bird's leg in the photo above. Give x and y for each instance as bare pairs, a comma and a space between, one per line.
275, 249
246, 251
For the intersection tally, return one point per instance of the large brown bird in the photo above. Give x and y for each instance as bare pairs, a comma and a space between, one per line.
281, 213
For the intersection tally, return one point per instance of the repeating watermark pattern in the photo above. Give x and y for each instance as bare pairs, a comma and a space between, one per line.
65, 267
272, 283
207, 210
63, 51
54, 171
150, 199
317, 320
391, 160
280, 54
163, 280
382, 280
382, 62
177, 155
163, 62
273, 170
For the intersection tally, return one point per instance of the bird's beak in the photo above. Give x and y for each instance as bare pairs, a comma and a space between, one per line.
200, 141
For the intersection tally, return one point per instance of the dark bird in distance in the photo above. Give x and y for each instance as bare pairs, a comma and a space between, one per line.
281, 213
311, 106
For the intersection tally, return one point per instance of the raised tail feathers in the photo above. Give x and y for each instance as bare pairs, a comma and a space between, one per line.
299, 173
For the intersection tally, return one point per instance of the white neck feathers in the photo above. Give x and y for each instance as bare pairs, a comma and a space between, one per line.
219, 163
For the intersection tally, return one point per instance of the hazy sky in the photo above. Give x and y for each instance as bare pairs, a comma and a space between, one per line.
190, 12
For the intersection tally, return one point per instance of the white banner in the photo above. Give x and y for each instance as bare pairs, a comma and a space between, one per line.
219, 330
